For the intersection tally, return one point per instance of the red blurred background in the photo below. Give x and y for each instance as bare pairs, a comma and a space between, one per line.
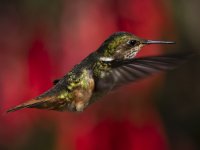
41, 40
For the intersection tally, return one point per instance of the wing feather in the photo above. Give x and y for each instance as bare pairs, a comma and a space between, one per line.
126, 71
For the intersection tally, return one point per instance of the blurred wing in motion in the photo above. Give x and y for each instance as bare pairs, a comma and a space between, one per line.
126, 71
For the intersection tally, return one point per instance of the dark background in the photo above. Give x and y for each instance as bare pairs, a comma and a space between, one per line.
41, 40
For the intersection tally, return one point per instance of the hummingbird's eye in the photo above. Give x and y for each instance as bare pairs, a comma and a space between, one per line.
132, 42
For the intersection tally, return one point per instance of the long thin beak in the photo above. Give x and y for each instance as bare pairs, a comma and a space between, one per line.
157, 42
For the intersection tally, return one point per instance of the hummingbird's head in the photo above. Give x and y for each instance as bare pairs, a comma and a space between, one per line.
124, 45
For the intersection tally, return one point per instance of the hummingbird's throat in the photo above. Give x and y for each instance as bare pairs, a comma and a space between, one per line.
132, 52
123, 54
126, 55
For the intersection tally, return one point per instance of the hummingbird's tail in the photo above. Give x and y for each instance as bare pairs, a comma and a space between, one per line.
33, 103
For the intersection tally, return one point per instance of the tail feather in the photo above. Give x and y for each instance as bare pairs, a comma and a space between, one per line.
29, 104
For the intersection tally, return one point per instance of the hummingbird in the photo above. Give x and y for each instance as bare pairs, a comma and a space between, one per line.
112, 65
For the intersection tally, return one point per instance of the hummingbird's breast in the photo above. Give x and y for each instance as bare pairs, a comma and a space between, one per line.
78, 91
80, 83
83, 91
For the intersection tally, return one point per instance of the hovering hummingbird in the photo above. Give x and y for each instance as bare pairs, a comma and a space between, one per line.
112, 65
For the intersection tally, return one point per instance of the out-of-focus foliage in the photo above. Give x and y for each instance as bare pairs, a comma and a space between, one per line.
179, 102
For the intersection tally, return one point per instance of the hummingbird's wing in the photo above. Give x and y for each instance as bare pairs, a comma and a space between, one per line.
55, 81
126, 71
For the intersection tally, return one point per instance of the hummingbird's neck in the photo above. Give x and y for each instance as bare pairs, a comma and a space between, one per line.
101, 64
104, 53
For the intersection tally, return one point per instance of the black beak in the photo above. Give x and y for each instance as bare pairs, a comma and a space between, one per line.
157, 42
